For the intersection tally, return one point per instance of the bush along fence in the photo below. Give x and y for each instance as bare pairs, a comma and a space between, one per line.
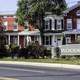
37, 51
33, 50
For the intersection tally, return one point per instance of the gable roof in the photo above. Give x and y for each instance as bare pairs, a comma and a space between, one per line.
72, 7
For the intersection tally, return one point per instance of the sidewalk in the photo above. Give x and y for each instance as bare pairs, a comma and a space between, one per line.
49, 65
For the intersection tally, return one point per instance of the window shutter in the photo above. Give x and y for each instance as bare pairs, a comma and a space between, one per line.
62, 24
50, 24
50, 40
55, 24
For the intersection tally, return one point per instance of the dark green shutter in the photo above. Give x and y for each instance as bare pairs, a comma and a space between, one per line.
55, 24
62, 25
50, 24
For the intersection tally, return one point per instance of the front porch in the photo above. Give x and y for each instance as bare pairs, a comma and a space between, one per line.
30, 36
72, 37
53, 39
23, 38
11, 38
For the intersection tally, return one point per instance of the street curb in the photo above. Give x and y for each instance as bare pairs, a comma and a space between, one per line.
49, 65
4, 78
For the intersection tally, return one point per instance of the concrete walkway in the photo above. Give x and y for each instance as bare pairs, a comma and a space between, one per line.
49, 65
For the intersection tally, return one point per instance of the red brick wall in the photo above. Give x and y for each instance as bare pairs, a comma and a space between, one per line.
11, 20
72, 15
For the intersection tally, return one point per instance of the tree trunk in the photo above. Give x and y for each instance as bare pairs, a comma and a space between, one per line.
41, 25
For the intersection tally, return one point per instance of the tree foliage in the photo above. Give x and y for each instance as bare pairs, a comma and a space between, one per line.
21, 11
54, 6
32, 7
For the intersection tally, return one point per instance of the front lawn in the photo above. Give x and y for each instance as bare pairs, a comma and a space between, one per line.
62, 61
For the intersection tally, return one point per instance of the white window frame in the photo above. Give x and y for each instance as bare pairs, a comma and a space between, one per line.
47, 40
5, 24
15, 24
47, 23
5, 17
68, 39
69, 24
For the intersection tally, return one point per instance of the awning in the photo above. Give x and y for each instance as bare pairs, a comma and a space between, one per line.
27, 32
72, 32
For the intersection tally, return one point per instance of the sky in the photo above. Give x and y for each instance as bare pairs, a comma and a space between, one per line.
11, 5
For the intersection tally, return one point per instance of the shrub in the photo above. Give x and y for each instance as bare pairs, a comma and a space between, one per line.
13, 50
38, 51
3, 52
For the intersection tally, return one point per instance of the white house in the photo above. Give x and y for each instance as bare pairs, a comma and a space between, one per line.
53, 29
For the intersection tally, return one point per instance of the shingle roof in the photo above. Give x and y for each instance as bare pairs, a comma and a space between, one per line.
5, 13
72, 7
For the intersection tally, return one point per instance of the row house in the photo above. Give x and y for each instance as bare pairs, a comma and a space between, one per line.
15, 33
72, 24
11, 29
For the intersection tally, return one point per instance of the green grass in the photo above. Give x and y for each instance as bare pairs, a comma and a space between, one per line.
62, 61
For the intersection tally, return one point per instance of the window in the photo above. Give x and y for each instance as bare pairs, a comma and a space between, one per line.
68, 39
48, 24
47, 40
69, 24
4, 17
14, 16
15, 26
5, 24
58, 24
78, 24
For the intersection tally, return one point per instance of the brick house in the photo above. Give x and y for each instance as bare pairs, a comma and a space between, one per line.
15, 33
11, 29
72, 24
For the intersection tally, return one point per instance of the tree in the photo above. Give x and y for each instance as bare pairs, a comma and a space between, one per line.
22, 11
2, 37
37, 9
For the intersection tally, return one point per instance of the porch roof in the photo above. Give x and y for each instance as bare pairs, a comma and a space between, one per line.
72, 32
27, 32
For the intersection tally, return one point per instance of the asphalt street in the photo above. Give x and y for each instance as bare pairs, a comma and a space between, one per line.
20, 72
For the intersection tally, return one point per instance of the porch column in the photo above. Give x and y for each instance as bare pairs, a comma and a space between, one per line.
8, 39
27, 39
75, 36
18, 40
53, 41
40, 40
